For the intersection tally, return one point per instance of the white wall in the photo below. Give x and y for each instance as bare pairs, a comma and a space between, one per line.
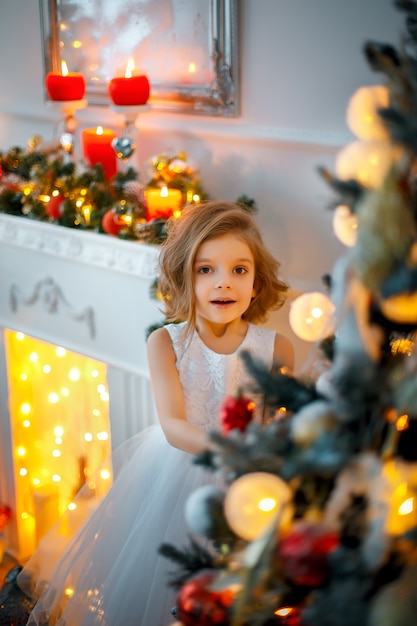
300, 62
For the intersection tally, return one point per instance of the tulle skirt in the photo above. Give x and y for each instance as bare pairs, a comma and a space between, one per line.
99, 565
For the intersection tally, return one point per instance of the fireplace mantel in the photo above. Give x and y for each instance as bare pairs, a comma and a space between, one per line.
87, 291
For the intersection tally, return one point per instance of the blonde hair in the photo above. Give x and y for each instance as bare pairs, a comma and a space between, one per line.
201, 223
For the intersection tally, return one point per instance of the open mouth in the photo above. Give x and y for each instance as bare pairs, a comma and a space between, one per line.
221, 302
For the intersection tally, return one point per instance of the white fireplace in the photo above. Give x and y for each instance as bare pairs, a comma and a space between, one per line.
91, 294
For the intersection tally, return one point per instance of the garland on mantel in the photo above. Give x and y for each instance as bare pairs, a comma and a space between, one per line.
41, 182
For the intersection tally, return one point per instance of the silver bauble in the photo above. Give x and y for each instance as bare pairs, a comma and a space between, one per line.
124, 147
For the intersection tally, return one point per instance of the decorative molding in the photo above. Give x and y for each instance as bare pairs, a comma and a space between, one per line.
50, 295
93, 249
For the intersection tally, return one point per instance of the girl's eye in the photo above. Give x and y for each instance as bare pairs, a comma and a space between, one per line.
203, 270
241, 270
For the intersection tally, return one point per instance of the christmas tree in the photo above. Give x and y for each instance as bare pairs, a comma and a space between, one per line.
317, 522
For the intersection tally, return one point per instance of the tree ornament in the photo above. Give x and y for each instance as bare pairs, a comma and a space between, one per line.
366, 161
236, 412
204, 513
362, 113
311, 316
54, 207
112, 223
345, 225
124, 147
304, 553
198, 604
5, 515
253, 502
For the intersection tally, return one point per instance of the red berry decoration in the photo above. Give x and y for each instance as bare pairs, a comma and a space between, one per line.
197, 604
5, 515
111, 223
304, 553
53, 208
236, 412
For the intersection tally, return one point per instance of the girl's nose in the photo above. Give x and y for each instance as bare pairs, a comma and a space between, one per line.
223, 281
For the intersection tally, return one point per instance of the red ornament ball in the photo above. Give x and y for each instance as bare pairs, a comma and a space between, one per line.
236, 412
304, 553
112, 223
5, 515
54, 207
197, 604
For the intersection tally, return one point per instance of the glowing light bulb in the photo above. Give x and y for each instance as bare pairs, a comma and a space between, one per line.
23, 376
101, 388
72, 506
23, 471
56, 453
36, 482
26, 423
21, 451
20, 336
88, 437
53, 397
103, 436
105, 474
58, 431
33, 357
406, 507
46, 369
95, 374
60, 352
56, 478
25, 408
104, 396
74, 374
65, 392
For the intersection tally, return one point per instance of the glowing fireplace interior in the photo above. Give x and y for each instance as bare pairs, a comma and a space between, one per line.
73, 376
59, 414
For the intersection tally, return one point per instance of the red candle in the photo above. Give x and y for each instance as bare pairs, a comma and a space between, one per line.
97, 148
130, 90
162, 203
65, 85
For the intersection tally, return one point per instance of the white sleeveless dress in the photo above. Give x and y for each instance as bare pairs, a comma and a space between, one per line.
111, 561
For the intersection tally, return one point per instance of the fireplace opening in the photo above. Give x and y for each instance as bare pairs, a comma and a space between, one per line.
60, 434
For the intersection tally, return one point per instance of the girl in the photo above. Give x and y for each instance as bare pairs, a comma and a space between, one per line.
218, 277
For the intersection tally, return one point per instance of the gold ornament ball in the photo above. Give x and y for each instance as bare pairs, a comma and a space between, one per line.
362, 112
253, 502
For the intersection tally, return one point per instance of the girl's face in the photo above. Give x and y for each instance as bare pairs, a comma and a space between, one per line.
224, 274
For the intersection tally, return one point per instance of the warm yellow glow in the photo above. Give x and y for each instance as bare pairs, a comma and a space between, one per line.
284, 611
164, 192
74, 374
196, 198
406, 507
177, 214
103, 436
99, 130
105, 474
101, 388
55, 193
267, 504
104, 396
77, 44
72, 506
316, 312
64, 68
402, 422
192, 67
50, 442
88, 436
69, 592
130, 68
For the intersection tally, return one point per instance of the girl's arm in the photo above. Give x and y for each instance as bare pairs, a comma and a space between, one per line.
168, 394
284, 354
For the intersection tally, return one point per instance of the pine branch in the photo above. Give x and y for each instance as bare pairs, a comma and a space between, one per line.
190, 560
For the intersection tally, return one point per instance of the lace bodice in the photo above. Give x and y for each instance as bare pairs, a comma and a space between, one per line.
207, 377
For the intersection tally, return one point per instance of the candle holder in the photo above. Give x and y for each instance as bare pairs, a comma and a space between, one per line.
125, 144
68, 109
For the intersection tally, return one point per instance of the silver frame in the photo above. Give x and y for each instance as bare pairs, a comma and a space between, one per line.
219, 98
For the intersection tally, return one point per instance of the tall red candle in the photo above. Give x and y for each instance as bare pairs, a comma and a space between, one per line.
66, 85
130, 90
97, 148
